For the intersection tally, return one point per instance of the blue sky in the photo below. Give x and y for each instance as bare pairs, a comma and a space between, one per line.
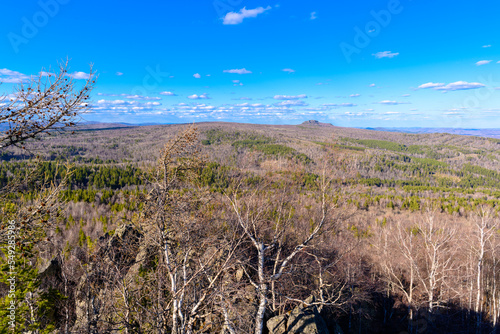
396, 63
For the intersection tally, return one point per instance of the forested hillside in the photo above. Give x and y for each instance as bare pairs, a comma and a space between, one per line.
226, 227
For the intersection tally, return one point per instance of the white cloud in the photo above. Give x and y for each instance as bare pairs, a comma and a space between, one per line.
385, 54
141, 97
289, 70
289, 103
483, 62
313, 16
197, 75
132, 97
461, 85
355, 95
430, 85
342, 105
290, 97
198, 97
487, 46
371, 85
78, 75
392, 103
119, 73
168, 94
233, 18
458, 85
46, 74
9, 76
405, 95
111, 103
238, 71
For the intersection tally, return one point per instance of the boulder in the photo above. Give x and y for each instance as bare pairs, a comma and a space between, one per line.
277, 325
304, 319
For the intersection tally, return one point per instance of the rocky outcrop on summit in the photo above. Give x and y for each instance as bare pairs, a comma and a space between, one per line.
316, 123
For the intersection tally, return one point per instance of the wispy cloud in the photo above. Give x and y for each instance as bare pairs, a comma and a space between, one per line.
372, 85
392, 103
119, 74
313, 16
290, 97
289, 70
233, 18
79, 75
487, 46
355, 95
238, 71
459, 85
483, 62
126, 107
341, 105
203, 96
168, 94
289, 103
385, 54
197, 75
9, 76
132, 97
141, 97
430, 85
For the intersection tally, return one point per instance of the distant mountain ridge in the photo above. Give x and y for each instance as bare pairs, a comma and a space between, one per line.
490, 133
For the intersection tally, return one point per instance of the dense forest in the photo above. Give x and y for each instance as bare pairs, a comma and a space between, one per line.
253, 228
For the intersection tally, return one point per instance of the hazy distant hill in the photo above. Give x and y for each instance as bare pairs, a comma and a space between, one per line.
491, 133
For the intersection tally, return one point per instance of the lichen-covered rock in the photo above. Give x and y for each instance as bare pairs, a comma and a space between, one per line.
304, 319
277, 325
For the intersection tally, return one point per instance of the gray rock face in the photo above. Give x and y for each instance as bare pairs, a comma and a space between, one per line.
277, 325
303, 319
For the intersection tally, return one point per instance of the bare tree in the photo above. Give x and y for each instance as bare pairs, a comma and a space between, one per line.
193, 253
436, 265
485, 229
266, 220
49, 102
400, 274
